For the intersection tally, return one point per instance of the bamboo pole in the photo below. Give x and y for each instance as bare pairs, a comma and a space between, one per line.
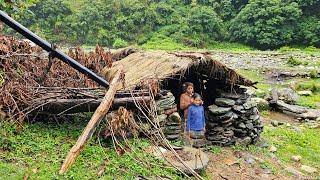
100, 112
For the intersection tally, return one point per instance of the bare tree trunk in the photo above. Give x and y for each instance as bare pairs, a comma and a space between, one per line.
100, 112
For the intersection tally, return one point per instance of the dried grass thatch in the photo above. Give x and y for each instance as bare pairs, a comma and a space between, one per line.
161, 65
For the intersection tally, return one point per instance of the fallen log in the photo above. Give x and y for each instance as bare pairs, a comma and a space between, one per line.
70, 106
100, 113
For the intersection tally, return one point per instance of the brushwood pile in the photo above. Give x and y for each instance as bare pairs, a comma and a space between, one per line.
25, 67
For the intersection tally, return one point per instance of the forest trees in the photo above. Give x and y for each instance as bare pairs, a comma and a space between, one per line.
264, 24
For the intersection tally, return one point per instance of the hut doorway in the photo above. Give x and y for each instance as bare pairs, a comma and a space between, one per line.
208, 89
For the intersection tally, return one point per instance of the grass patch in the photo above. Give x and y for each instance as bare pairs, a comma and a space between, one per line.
265, 113
255, 76
229, 47
162, 42
296, 62
215, 149
39, 150
307, 50
312, 101
311, 85
290, 142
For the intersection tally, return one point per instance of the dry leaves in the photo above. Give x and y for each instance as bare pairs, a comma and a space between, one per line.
23, 65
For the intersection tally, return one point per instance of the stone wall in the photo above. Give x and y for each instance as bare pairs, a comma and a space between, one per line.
234, 118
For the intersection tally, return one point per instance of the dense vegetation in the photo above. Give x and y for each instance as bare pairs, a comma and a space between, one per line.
198, 23
263, 24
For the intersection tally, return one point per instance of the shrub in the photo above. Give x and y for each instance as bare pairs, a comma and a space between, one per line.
314, 74
296, 62
312, 85
119, 43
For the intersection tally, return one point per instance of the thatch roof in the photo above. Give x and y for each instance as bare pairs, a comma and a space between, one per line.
162, 65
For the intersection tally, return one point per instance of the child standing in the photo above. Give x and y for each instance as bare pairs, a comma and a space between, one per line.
196, 120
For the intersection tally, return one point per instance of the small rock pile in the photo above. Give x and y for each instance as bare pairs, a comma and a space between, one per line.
233, 118
169, 118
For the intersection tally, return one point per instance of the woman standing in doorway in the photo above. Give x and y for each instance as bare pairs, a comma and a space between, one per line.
186, 99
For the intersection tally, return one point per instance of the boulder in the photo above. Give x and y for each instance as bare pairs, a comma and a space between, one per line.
285, 94
308, 169
244, 141
296, 158
311, 114
274, 123
304, 93
262, 104
194, 158
291, 108
273, 148
224, 102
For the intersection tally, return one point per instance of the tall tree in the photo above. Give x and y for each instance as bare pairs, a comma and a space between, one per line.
266, 24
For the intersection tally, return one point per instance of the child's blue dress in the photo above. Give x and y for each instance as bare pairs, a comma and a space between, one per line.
196, 119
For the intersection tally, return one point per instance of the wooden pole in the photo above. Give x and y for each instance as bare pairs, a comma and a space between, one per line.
70, 106
100, 112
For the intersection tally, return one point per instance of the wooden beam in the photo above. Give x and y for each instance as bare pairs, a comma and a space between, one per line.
69, 106
100, 113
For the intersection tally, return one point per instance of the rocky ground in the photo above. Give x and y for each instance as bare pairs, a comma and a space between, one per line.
266, 60
276, 156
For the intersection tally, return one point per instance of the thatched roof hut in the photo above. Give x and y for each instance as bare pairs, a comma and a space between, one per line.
230, 114
162, 65
173, 69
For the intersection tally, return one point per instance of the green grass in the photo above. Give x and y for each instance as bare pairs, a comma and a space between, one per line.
307, 50
39, 150
290, 142
229, 47
312, 101
313, 85
255, 75
296, 62
215, 149
161, 42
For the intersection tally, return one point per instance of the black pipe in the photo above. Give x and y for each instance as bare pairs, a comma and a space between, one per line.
48, 47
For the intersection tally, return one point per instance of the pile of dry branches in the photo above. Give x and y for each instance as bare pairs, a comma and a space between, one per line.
24, 68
